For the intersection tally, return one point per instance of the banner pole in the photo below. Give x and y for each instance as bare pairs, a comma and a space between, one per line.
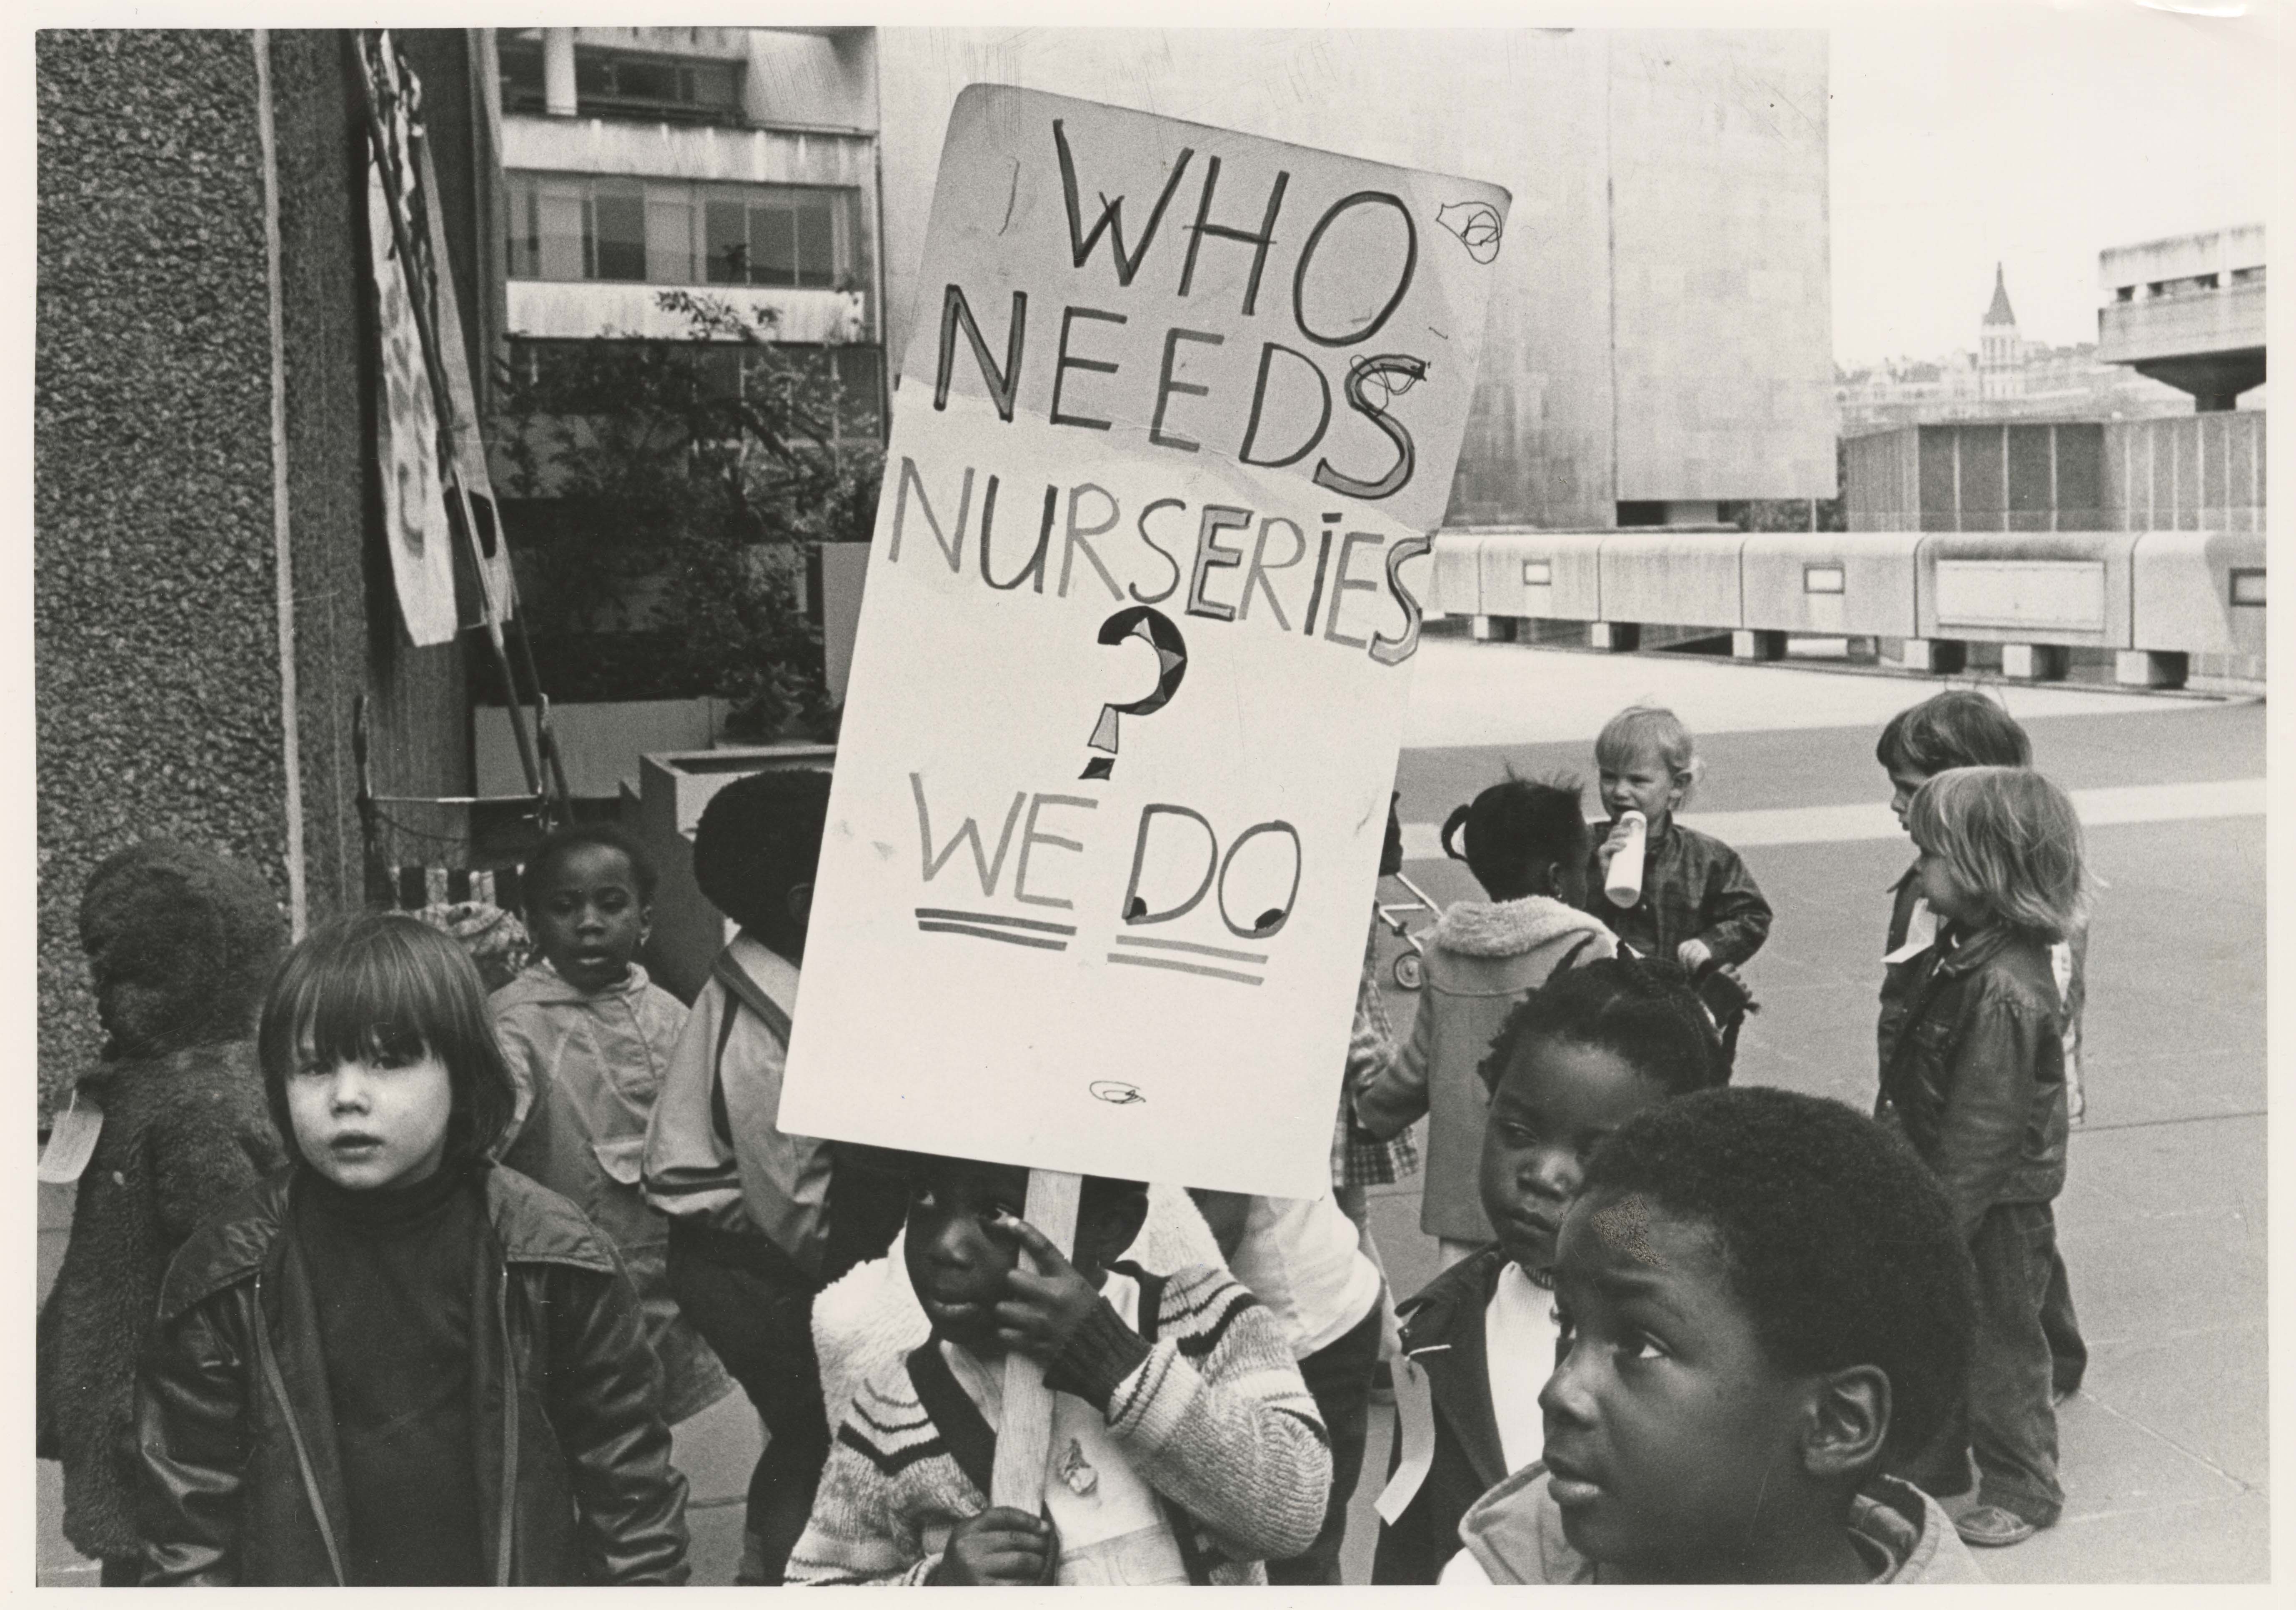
1024, 1435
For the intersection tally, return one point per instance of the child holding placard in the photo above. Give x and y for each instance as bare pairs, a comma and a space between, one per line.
1186, 1448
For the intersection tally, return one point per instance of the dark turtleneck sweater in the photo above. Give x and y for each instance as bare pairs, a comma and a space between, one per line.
393, 1274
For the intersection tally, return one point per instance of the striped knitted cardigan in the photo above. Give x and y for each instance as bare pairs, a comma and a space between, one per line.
1215, 1418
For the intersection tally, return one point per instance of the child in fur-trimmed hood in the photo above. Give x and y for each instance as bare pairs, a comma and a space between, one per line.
1527, 845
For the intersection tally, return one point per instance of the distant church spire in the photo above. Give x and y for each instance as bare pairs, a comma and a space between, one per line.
1999, 313
2000, 354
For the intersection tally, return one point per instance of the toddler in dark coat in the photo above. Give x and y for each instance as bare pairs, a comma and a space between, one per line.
180, 944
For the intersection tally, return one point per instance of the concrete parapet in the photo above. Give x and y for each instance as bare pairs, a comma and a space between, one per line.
1832, 584
2066, 588
1543, 575
1677, 578
2198, 592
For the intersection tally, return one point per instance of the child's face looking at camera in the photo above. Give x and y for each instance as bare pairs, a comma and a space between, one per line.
1665, 1423
376, 1121
1554, 1103
588, 919
1639, 780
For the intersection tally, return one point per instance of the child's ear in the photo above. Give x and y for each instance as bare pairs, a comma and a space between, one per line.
800, 904
1849, 1421
645, 923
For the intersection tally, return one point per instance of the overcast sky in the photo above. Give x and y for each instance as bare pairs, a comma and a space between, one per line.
2037, 134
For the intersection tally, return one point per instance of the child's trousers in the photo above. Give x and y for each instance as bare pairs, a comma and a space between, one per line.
2005, 1419
759, 1318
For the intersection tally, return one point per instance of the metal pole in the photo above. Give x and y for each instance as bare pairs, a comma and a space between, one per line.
434, 366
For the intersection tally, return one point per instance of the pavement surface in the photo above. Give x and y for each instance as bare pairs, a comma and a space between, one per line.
2164, 1451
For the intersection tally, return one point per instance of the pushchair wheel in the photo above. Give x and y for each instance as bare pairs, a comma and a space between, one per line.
1410, 971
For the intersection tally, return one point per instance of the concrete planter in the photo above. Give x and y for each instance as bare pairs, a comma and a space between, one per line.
599, 744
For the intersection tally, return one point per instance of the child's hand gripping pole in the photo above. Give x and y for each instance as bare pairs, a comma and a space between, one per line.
1024, 1437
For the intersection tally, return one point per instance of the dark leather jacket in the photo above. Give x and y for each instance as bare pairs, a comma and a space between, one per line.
240, 1484
1972, 1040
1443, 1334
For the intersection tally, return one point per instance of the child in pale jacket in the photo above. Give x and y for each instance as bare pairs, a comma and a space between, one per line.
1527, 844
587, 1036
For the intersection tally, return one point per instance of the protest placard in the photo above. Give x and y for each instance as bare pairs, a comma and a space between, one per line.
1179, 411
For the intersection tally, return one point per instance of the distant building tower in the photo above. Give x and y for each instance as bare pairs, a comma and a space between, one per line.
2000, 355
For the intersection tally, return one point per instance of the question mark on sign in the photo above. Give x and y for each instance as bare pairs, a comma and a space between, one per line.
1160, 634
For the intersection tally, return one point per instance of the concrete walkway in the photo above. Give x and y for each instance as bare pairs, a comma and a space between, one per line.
2165, 1451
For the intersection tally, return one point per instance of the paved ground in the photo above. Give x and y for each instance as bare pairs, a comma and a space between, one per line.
2163, 1222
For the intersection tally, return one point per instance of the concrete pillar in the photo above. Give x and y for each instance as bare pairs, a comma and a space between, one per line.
1615, 637
1930, 656
1758, 645
558, 71
1491, 629
2033, 662
2141, 668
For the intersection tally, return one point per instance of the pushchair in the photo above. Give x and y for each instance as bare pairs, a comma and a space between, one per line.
1410, 967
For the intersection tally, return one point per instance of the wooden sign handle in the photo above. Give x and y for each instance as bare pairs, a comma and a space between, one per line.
1024, 1438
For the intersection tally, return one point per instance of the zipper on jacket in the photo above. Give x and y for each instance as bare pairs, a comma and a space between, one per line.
505, 1531
278, 1385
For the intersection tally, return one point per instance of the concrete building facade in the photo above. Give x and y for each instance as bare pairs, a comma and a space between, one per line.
2189, 311
1661, 338
736, 163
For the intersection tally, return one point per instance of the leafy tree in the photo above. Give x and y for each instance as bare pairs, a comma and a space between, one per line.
674, 487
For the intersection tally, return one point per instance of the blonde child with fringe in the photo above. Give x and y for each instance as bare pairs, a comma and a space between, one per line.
1972, 1075
1700, 908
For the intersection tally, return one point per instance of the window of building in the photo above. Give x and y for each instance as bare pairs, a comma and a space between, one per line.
615, 83
623, 84
519, 63
573, 226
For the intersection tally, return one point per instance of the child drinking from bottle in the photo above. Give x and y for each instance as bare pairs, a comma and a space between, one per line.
1695, 904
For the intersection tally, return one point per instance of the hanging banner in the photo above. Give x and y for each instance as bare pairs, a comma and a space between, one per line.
415, 527
417, 490
1180, 409
489, 551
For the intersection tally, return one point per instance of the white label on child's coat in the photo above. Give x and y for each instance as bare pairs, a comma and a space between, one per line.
1921, 933
71, 1141
1134, 646
1415, 1409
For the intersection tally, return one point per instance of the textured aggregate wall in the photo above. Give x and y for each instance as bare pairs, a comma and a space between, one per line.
154, 590
330, 476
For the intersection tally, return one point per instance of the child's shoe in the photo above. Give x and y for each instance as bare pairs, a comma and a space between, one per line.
1991, 1526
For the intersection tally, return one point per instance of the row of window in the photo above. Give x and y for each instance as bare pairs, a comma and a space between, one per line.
577, 227
610, 82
